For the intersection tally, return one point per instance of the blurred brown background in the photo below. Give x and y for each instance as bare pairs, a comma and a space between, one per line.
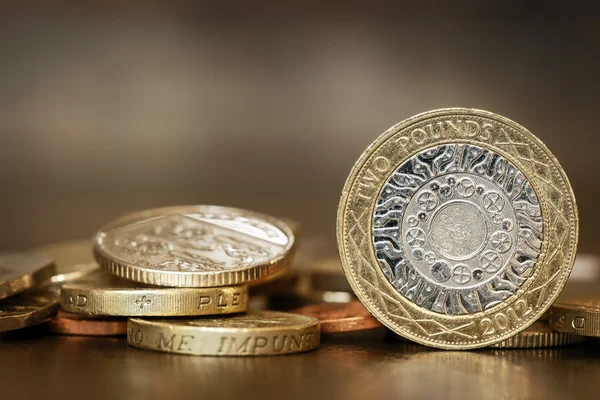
105, 109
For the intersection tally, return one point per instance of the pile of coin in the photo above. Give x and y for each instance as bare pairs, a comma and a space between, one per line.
180, 275
457, 229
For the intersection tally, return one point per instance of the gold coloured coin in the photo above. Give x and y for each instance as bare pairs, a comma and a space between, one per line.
577, 316
21, 271
194, 246
457, 228
103, 294
539, 335
256, 333
27, 309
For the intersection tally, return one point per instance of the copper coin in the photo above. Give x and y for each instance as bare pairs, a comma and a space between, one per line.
337, 318
65, 323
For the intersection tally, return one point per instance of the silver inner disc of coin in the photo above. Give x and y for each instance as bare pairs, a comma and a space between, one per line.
457, 229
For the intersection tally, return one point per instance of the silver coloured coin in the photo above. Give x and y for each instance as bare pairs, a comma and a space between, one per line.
457, 229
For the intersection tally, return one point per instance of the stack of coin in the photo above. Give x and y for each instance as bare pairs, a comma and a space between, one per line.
173, 279
194, 263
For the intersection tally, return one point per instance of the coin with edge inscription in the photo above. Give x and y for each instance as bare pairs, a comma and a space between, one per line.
576, 315
255, 333
101, 293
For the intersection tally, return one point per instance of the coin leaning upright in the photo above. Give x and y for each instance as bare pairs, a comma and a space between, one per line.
194, 246
457, 228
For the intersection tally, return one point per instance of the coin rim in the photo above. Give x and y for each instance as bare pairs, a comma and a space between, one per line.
520, 325
201, 279
161, 325
168, 323
115, 301
544, 338
571, 311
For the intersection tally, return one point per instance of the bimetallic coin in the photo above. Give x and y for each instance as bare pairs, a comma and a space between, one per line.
253, 334
194, 246
21, 271
538, 335
77, 325
27, 309
104, 294
457, 228
579, 316
338, 318
462, 212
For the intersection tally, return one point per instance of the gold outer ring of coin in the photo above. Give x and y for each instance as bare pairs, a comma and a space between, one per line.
77, 325
27, 309
510, 316
104, 294
338, 318
579, 317
195, 275
539, 335
257, 333
22, 271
